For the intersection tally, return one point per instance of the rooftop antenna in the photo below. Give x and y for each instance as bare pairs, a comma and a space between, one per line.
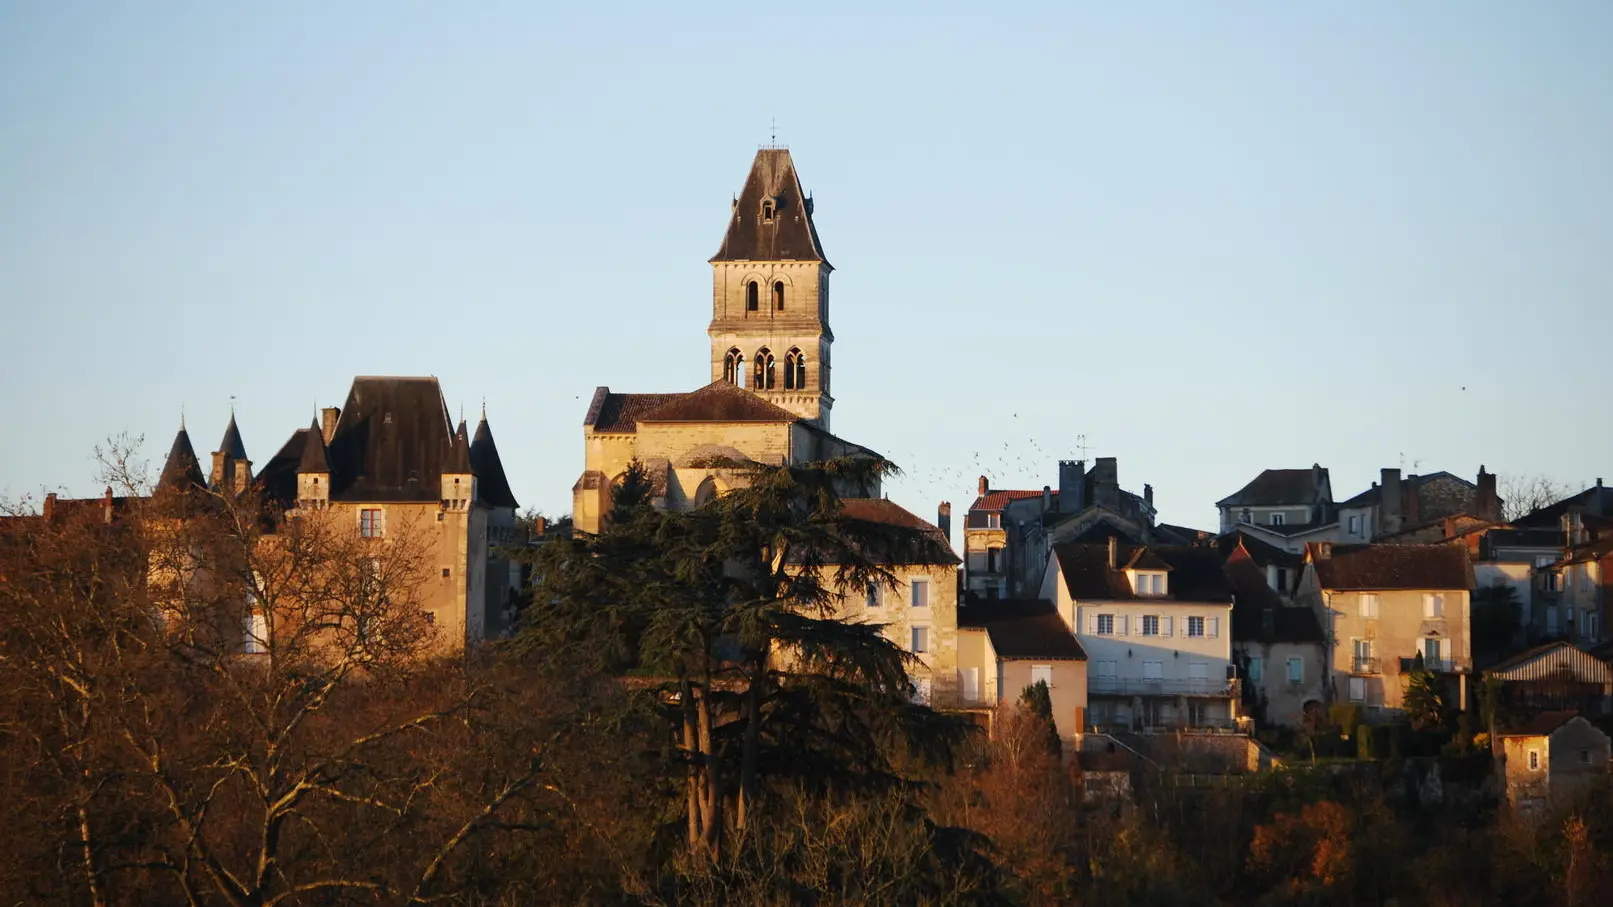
772, 123
1081, 445
232, 404
484, 408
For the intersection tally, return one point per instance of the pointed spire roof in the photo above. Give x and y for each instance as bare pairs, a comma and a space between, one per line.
493, 487
459, 460
313, 459
231, 446
181, 471
772, 218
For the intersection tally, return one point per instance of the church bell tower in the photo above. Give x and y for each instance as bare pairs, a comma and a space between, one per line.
770, 294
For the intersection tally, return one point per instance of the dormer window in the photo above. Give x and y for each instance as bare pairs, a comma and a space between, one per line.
769, 207
1148, 582
1277, 519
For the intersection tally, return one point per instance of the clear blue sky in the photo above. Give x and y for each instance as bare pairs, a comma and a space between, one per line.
1210, 237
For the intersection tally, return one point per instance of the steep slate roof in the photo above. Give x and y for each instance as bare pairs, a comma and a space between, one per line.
1181, 535
1593, 498
998, 499
231, 444
790, 234
936, 548
1369, 567
1253, 597
1260, 551
313, 459
391, 441
1023, 629
1196, 574
181, 469
459, 455
278, 477
491, 485
1373, 494
1276, 486
1542, 724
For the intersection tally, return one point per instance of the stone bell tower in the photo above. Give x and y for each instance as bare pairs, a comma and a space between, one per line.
770, 294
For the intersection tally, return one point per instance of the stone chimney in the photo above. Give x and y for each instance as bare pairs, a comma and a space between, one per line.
1106, 483
1072, 486
327, 422
1113, 553
1148, 495
106, 505
985, 486
539, 525
943, 518
1411, 503
1486, 502
1389, 502
1047, 498
217, 477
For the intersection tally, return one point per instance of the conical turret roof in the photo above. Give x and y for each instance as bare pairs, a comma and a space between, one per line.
313, 458
231, 445
181, 471
459, 452
491, 484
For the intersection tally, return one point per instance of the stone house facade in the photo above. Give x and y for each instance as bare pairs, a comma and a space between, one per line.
1279, 647
1006, 646
1551, 761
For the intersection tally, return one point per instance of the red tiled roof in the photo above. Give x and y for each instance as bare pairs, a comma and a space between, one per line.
1023, 629
997, 500
716, 402
888, 512
1436, 566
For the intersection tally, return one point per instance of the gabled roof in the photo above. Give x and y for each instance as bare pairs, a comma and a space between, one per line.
1374, 494
789, 235
1542, 724
1277, 486
1023, 630
491, 485
718, 401
1597, 498
278, 477
1259, 550
997, 499
937, 548
391, 442
1550, 662
1253, 598
1385, 567
459, 457
231, 445
1146, 558
1181, 535
181, 470
1196, 574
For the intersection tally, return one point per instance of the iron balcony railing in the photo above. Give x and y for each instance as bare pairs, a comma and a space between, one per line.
1161, 687
1366, 664
1435, 665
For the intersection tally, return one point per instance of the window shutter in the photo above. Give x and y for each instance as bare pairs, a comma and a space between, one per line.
1212, 627
1120, 625
1092, 624
1165, 626
1428, 605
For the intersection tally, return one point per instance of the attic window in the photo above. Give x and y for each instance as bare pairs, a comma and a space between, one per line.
1148, 582
769, 205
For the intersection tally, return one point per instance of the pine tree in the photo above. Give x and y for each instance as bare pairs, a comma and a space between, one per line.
1037, 702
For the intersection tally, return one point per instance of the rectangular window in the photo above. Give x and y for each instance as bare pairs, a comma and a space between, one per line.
1534, 760
1282, 579
1277, 519
1433, 604
1431, 654
873, 596
1584, 757
1369, 605
1106, 625
1195, 626
921, 640
1358, 689
257, 632
1042, 674
921, 593
1106, 669
372, 523
994, 521
1257, 668
1153, 670
1150, 624
1198, 670
1296, 670
969, 683
991, 559
1355, 525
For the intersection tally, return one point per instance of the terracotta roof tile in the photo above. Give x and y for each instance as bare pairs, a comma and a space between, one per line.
888, 512
1368, 567
997, 500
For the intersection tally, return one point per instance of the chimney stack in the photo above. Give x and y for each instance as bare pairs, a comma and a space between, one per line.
985, 486
106, 505
539, 525
1411, 503
216, 480
1148, 494
1113, 546
1047, 498
327, 422
1072, 486
1389, 502
943, 519
50, 506
1487, 504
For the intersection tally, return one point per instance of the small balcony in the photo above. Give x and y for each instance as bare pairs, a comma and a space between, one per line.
1366, 664
1436, 665
1114, 686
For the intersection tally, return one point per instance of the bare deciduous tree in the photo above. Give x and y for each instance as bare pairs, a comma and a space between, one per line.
1522, 495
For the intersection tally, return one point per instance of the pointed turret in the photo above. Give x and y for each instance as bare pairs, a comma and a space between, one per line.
313, 469
181, 471
232, 471
458, 478
484, 460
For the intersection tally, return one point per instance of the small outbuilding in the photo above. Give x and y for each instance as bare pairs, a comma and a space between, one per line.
1552, 760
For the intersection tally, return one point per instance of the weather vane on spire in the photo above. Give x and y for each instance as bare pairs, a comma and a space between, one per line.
772, 128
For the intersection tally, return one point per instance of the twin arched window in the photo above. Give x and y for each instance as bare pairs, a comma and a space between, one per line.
795, 370
764, 371
733, 367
